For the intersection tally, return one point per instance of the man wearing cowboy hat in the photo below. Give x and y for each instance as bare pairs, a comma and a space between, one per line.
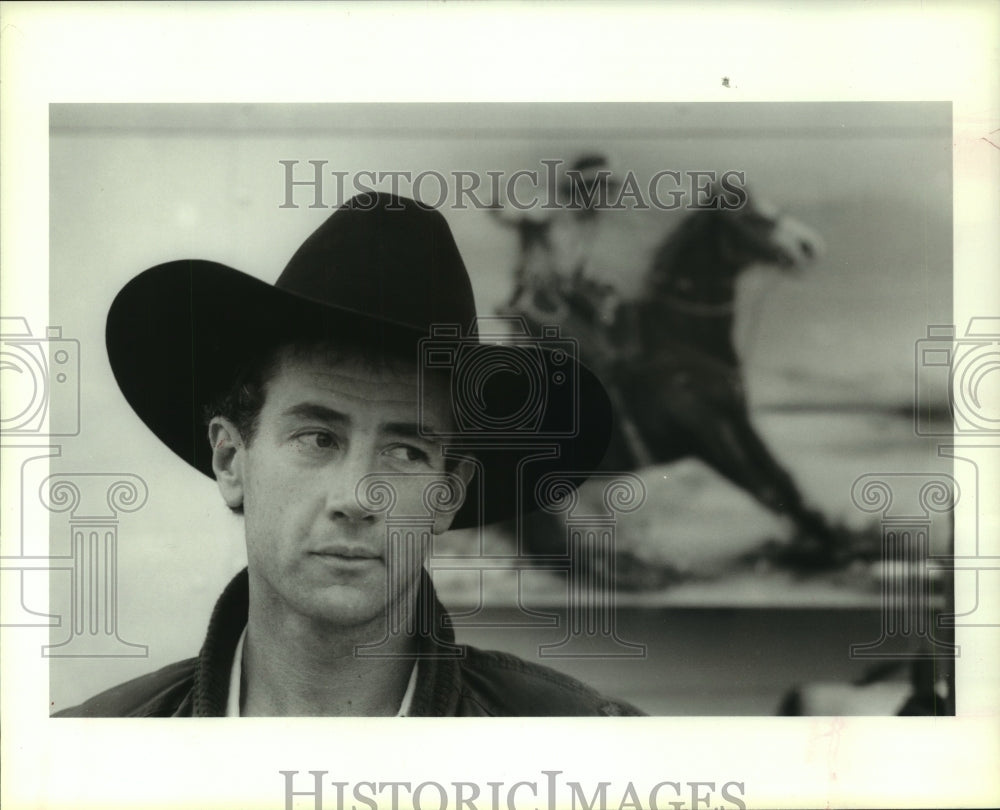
314, 396
589, 185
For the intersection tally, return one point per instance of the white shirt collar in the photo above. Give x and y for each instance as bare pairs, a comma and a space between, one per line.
236, 674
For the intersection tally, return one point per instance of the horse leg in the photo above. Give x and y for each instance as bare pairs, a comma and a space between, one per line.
734, 449
790, 500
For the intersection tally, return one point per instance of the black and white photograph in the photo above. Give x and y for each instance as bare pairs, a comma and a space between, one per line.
673, 413
738, 299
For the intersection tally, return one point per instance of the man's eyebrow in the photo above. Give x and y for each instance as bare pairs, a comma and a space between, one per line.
312, 410
323, 413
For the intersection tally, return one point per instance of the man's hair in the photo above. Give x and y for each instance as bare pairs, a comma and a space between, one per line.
241, 403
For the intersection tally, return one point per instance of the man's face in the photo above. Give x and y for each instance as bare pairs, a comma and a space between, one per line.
325, 424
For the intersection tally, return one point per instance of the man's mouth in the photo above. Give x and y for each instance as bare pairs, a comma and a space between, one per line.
358, 553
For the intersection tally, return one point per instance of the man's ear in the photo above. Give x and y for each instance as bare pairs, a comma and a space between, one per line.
463, 470
227, 460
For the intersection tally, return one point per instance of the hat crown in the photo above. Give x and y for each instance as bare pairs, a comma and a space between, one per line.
389, 258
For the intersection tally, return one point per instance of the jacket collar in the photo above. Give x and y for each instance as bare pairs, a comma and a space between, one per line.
438, 674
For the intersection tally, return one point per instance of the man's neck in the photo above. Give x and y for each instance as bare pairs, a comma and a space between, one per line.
296, 667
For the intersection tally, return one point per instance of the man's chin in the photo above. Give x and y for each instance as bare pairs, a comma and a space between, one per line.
349, 606
357, 605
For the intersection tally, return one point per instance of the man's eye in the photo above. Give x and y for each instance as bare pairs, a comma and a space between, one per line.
408, 453
317, 439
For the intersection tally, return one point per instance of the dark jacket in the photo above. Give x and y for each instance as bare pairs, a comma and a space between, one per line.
452, 680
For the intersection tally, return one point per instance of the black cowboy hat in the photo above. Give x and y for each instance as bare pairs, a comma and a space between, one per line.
383, 272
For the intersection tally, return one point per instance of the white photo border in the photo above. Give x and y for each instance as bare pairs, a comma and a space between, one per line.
311, 52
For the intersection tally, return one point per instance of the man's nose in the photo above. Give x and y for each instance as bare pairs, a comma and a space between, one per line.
343, 498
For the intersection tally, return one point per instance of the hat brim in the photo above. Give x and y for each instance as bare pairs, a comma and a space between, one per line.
178, 333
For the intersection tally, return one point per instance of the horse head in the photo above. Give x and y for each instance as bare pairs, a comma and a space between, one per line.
697, 264
758, 233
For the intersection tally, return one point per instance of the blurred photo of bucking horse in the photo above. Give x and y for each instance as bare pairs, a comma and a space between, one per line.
668, 358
